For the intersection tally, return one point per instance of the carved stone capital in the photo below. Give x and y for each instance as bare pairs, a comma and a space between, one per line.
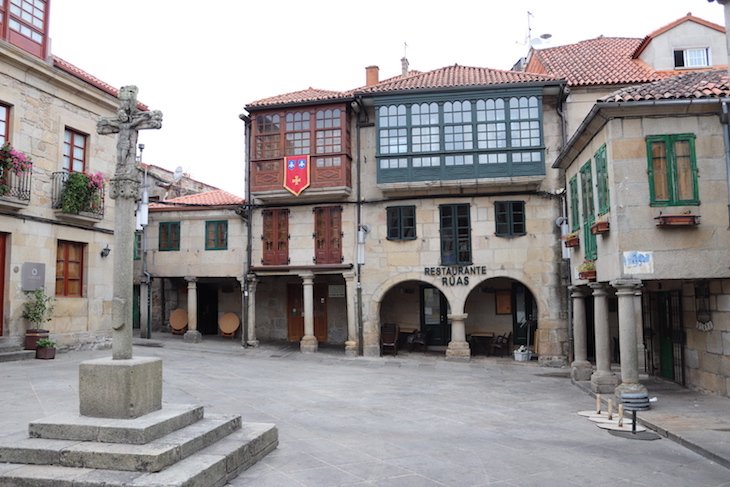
124, 188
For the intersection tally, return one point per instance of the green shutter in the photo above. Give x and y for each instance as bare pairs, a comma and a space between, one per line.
604, 202
589, 217
673, 174
574, 214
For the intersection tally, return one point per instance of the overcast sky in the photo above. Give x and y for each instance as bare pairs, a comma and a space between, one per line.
200, 63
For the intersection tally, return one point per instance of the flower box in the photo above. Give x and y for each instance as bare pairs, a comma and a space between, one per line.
600, 227
587, 275
682, 220
572, 241
523, 356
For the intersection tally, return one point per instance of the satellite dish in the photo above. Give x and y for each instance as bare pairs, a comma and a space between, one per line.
178, 174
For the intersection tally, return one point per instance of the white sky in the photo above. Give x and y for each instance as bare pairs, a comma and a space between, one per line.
200, 63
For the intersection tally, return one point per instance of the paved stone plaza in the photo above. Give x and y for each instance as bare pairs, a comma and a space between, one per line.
413, 420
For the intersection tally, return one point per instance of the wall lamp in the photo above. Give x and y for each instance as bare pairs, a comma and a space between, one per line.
105, 251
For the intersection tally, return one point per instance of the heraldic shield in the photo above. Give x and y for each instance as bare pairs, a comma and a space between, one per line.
296, 174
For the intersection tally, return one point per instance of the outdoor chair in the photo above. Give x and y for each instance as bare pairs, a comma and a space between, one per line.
501, 344
389, 337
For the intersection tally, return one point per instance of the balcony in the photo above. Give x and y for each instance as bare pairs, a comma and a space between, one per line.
327, 182
87, 208
15, 189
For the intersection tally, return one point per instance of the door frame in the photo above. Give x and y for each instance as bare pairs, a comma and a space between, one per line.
443, 337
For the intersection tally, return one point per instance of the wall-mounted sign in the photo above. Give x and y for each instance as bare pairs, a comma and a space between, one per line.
296, 174
457, 275
32, 276
636, 262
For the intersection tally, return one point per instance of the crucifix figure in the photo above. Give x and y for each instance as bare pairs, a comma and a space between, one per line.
124, 189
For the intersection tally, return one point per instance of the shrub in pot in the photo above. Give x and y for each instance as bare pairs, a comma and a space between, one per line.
37, 310
45, 349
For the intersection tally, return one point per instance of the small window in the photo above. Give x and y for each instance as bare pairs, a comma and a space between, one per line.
4, 123
401, 222
169, 236
692, 58
509, 217
672, 170
74, 151
69, 269
216, 235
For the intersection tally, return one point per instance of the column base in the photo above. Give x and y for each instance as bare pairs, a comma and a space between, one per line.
458, 351
581, 370
308, 344
192, 336
252, 343
350, 348
604, 382
628, 388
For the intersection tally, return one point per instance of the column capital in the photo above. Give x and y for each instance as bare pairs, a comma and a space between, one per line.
599, 288
307, 277
349, 276
577, 291
460, 317
191, 279
626, 286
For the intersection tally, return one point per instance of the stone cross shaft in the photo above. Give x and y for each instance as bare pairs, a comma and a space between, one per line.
124, 189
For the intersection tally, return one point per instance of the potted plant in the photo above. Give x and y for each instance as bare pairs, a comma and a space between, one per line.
11, 161
587, 270
45, 349
600, 226
571, 239
37, 310
81, 192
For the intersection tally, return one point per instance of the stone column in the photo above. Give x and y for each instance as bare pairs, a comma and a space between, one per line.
603, 381
251, 325
458, 348
581, 368
639, 320
309, 341
192, 335
351, 290
626, 292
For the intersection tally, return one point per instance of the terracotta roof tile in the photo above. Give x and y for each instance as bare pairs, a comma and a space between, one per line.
454, 77
302, 96
691, 85
92, 80
208, 198
600, 61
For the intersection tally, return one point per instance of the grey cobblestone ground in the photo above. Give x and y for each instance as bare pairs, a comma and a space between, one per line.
413, 420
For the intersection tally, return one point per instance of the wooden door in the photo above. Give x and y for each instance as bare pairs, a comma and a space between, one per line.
2, 281
434, 311
295, 312
320, 312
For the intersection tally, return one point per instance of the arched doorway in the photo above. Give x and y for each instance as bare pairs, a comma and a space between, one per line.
417, 306
502, 306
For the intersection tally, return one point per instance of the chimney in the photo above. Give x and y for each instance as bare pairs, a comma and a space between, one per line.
404, 65
371, 75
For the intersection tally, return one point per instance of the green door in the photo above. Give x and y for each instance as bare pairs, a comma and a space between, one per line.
135, 308
434, 319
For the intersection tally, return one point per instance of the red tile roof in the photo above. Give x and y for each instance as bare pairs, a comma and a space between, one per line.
691, 85
661, 30
600, 61
302, 96
92, 80
455, 77
193, 201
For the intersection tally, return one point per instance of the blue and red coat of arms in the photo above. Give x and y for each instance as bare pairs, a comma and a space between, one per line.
296, 174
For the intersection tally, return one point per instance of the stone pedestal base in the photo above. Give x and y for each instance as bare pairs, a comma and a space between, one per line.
458, 351
192, 336
581, 370
308, 344
350, 348
120, 389
604, 383
628, 388
252, 343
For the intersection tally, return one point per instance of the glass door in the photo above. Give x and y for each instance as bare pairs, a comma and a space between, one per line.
434, 321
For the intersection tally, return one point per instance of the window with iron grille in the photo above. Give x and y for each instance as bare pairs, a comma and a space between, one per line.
328, 235
401, 222
69, 268
455, 229
509, 217
216, 235
169, 238
275, 237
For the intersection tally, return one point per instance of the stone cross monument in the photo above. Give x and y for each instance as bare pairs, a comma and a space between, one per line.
124, 189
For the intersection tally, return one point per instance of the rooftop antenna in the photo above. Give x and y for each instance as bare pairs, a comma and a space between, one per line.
534, 42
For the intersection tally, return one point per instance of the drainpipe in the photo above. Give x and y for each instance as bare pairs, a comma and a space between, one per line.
725, 119
247, 208
563, 222
358, 268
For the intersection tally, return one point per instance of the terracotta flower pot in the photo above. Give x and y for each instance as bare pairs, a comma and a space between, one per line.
45, 353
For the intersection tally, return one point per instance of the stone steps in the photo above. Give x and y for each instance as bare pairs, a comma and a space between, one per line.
214, 465
174, 446
13, 355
